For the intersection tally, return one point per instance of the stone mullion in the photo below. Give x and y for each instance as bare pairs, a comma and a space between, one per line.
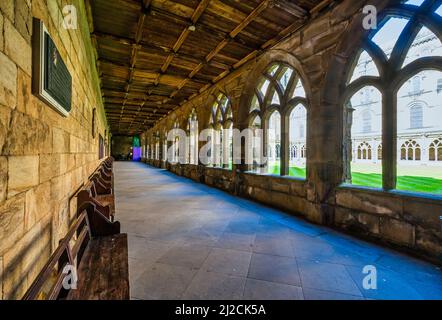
285, 145
265, 142
389, 139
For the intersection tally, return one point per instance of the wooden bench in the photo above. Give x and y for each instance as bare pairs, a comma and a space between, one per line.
105, 204
99, 254
99, 190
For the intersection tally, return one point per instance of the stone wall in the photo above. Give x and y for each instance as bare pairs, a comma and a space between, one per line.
121, 145
44, 157
322, 53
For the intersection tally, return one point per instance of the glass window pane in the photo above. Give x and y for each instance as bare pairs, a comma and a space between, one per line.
255, 104
426, 44
298, 142
285, 78
274, 144
224, 102
419, 111
275, 98
388, 35
264, 87
366, 137
364, 67
299, 90
273, 70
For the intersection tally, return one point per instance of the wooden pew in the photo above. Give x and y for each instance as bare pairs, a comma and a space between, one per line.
105, 204
96, 249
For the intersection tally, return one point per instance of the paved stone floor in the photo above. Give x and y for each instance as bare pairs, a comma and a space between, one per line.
189, 241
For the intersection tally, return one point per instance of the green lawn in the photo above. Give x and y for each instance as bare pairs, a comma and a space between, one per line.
406, 182
293, 171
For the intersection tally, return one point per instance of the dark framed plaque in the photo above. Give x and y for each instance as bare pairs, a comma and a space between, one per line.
52, 81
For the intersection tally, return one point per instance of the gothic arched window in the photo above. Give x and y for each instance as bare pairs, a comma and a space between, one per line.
221, 122
364, 151
280, 98
410, 151
435, 151
400, 62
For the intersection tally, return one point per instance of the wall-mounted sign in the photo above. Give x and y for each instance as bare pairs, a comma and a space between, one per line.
52, 81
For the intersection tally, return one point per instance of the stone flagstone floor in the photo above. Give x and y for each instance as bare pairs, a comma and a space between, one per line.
189, 241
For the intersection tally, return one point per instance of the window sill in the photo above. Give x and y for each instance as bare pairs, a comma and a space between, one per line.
295, 179
395, 193
219, 168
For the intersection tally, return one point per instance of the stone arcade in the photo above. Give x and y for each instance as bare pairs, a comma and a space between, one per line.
352, 143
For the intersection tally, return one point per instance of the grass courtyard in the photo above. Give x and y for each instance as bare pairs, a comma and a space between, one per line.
426, 179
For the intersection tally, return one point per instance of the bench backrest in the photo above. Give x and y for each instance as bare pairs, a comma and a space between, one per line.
68, 253
105, 167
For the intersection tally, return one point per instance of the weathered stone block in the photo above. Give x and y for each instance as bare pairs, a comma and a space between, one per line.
298, 188
261, 195
397, 231
23, 174
38, 204
316, 28
423, 212
429, 241
1, 32
280, 186
3, 178
370, 222
280, 200
314, 213
23, 19
17, 48
344, 216
26, 258
60, 141
12, 216
8, 81
7, 8
25, 100
49, 167
370, 203
1, 278
26, 135
297, 204
63, 163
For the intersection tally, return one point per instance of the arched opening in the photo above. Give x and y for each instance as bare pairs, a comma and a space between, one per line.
281, 96
395, 76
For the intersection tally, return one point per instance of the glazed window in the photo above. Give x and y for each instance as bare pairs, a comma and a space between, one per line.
279, 100
221, 124
392, 102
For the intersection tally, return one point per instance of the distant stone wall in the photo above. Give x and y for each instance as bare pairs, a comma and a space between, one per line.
44, 157
121, 146
321, 53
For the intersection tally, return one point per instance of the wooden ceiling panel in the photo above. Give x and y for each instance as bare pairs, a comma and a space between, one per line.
119, 18
181, 8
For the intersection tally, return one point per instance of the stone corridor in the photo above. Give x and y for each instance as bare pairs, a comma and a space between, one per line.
189, 241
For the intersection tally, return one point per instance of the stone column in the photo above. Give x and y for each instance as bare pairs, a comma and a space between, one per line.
285, 146
389, 140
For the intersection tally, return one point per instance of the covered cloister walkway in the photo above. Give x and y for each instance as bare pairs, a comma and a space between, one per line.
189, 241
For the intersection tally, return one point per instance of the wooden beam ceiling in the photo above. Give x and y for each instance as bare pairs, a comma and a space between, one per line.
154, 55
